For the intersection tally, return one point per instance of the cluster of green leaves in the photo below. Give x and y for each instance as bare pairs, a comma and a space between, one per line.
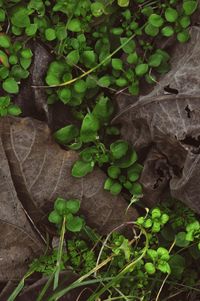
45, 264
6, 108
68, 209
123, 171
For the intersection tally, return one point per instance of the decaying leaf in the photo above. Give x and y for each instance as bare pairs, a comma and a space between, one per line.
170, 122
19, 243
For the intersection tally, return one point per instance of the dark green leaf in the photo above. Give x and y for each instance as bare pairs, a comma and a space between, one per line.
81, 168
89, 128
66, 134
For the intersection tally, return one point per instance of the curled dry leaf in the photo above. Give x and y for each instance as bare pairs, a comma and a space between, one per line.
171, 123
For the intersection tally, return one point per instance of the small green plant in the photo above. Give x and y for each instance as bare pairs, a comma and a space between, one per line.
67, 209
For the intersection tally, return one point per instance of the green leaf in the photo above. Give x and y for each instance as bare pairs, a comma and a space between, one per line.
104, 81
97, 9
141, 69
189, 7
123, 3
181, 240
113, 172
150, 268
167, 31
115, 188
26, 53
156, 20
75, 224
50, 34
132, 58
73, 205
4, 101
177, 264
89, 154
4, 41
127, 160
89, 128
103, 110
155, 60
73, 57
129, 47
136, 189
31, 30
81, 168
80, 86
4, 59
14, 110
55, 218
66, 134
88, 58
11, 86
171, 15
2, 15
25, 63
164, 267
151, 30
119, 149
108, 183
64, 95
183, 36
74, 25
121, 82
185, 21
20, 17
59, 206
117, 64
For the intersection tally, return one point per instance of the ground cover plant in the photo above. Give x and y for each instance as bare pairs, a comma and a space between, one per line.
101, 49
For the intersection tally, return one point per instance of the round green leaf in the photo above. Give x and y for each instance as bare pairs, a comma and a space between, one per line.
171, 15
73, 57
156, 20
75, 224
55, 218
141, 69
185, 21
14, 110
155, 60
74, 25
20, 17
151, 30
104, 81
64, 95
128, 46
183, 36
189, 7
26, 53
113, 172
4, 41
50, 34
167, 31
10, 85
150, 268
119, 149
80, 86
97, 9
115, 188
31, 30
117, 64
73, 205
